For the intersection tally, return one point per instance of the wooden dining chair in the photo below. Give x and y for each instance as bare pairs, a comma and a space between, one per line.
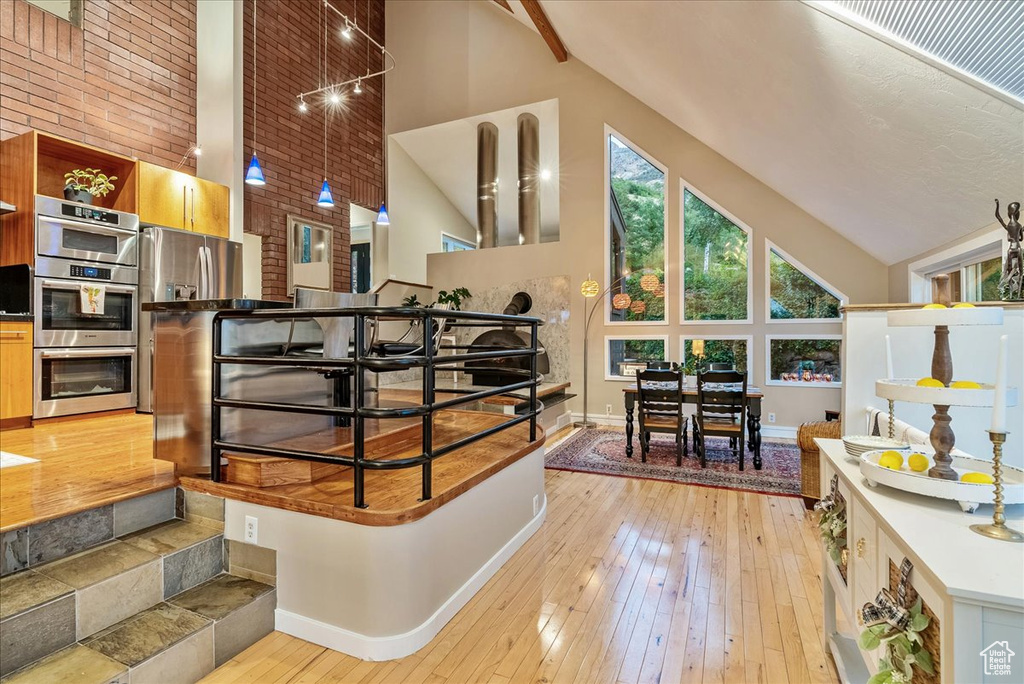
659, 365
721, 412
721, 366
660, 409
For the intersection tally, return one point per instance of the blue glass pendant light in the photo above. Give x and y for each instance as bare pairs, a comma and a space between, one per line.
326, 199
382, 216
254, 176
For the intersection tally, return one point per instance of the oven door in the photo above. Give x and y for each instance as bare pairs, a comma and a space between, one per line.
70, 239
70, 381
61, 323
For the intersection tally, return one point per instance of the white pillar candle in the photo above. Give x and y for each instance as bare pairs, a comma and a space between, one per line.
888, 358
999, 406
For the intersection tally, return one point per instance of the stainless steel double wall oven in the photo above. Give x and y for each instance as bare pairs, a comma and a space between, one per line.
84, 361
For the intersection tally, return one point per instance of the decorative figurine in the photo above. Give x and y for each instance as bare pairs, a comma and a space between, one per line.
1011, 284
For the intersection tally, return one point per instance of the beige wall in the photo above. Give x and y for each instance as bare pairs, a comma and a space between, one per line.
474, 60
899, 273
419, 213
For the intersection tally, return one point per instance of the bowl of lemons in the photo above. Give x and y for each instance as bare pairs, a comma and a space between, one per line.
907, 470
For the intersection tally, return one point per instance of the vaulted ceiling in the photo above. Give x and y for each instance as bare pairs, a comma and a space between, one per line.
893, 152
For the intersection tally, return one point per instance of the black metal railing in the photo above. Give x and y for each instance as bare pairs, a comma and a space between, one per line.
363, 358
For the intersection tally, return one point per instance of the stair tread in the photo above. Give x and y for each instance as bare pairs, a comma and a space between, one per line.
169, 537
97, 564
221, 596
26, 590
73, 664
146, 634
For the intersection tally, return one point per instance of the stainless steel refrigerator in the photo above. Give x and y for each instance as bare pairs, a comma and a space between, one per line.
179, 265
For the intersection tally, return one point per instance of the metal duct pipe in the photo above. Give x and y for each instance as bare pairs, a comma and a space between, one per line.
529, 175
487, 185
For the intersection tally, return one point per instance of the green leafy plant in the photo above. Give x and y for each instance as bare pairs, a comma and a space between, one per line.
412, 300
832, 528
93, 181
903, 650
454, 298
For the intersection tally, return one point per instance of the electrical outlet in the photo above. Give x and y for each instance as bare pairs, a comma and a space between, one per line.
251, 529
771, 417
536, 504
607, 409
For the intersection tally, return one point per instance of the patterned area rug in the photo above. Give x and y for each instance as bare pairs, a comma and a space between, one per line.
603, 451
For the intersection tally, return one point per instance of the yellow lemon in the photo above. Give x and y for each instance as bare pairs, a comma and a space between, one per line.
929, 382
964, 384
934, 306
963, 305
918, 463
891, 459
977, 478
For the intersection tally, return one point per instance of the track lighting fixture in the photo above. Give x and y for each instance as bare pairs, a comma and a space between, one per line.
303, 107
346, 33
359, 87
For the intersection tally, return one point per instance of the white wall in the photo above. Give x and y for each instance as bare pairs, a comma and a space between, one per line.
419, 213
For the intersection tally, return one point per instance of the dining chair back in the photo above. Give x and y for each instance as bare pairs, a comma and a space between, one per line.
721, 411
721, 366
660, 409
659, 365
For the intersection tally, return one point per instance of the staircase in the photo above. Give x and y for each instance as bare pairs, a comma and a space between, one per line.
147, 605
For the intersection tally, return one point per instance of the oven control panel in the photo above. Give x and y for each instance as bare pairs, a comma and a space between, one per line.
91, 272
90, 214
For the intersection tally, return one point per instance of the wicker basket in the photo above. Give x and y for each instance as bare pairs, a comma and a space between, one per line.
810, 467
931, 636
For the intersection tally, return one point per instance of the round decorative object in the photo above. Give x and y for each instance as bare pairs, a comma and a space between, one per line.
649, 282
638, 307
621, 301
590, 288
659, 291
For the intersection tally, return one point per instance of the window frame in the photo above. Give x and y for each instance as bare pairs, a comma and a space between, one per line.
609, 131
608, 339
768, 381
685, 185
984, 246
455, 238
798, 265
749, 339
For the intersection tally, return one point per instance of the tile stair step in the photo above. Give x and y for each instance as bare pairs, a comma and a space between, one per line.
191, 553
37, 617
177, 641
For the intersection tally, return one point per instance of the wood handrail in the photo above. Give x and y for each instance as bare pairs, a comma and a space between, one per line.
384, 284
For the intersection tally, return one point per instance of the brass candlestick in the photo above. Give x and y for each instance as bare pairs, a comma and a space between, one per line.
998, 528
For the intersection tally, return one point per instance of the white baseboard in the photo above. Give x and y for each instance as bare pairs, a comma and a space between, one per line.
773, 431
401, 645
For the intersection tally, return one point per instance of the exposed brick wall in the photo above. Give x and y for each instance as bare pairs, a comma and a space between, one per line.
125, 81
290, 144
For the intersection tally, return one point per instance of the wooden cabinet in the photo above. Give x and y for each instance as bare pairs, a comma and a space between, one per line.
177, 200
15, 374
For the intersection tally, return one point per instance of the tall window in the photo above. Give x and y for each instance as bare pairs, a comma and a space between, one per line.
636, 230
796, 295
715, 269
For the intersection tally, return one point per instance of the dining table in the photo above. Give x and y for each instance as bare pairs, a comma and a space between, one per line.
754, 397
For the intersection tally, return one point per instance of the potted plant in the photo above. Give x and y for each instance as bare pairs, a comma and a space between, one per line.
453, 298
81, 185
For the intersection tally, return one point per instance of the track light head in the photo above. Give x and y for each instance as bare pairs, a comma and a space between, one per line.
359, 87
346, 32
303, 107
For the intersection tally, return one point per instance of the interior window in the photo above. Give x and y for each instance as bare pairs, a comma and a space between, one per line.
976, 281
795, 295
715, 276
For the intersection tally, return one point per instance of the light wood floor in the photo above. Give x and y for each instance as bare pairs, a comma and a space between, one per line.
83, 463
628, 581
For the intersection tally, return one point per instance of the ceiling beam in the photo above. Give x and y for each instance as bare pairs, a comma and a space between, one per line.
547, 31
504, 3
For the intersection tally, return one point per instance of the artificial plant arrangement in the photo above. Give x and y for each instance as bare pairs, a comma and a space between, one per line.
888, 623
832, 525
82, 184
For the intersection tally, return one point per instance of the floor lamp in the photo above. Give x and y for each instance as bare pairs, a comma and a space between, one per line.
591, 289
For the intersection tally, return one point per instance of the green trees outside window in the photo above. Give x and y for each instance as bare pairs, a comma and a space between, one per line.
715, 275
625, 354
637, 225
733, 351
795, 295
802, 361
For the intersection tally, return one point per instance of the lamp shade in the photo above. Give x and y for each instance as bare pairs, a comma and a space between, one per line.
382, 216
638, 306
649, 282
697, 346
621, 301
326, 199
590, 288
254, 174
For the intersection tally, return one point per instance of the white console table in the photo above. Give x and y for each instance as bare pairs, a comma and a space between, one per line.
973, 585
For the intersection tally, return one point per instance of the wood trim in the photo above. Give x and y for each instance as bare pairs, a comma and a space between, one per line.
15, 423
504, 4
547, 31
400, 282
856, 308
